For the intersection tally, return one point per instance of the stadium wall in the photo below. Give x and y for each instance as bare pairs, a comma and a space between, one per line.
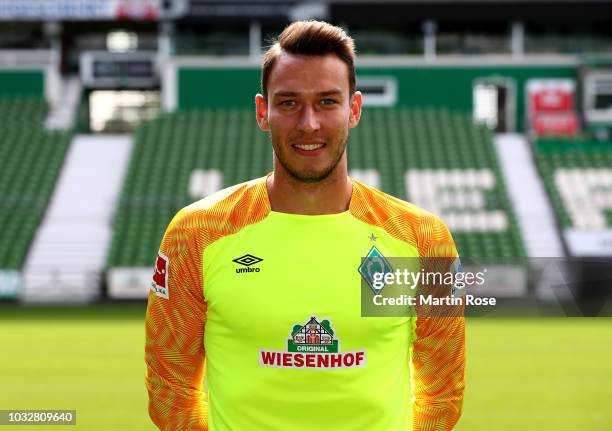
22, 83
208, 83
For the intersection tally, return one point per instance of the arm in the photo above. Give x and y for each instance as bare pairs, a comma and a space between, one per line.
174, 347
438, 352
438, 362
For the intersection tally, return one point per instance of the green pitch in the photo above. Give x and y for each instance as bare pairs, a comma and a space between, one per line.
522, 374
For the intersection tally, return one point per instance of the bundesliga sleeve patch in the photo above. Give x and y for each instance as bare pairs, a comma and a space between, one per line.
160, 276
312, 345
458, 289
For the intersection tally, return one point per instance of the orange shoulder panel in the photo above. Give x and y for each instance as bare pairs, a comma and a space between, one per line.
400, 219
438, 350
174, 346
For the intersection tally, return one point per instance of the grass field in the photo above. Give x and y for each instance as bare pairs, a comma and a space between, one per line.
522, 374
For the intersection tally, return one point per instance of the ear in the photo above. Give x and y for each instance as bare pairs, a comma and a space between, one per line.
261, 112
355, 115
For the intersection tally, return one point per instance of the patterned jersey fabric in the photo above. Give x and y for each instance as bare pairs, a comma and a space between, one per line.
254, 321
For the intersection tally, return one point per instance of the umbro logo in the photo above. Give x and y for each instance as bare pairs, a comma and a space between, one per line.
247, 261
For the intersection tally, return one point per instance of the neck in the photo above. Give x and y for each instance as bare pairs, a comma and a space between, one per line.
329, 196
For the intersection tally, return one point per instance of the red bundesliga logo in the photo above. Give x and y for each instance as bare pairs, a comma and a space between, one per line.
160, 276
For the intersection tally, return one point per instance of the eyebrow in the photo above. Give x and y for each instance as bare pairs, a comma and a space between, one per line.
295, 94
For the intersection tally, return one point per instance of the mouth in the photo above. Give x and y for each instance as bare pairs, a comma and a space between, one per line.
309, 147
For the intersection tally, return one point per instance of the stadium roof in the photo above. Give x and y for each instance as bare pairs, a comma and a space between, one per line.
399, 11
570, 11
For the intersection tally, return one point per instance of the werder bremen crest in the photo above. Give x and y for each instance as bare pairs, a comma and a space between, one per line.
312, 345
373, 263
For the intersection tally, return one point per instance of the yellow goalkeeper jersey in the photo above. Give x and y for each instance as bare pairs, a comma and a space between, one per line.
254, 321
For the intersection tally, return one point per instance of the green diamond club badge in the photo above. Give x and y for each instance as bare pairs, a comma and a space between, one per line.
374, 263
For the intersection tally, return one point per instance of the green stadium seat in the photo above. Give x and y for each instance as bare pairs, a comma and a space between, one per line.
569, 166
32, 159
391, 141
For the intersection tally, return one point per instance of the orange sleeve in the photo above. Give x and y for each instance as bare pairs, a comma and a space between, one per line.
175, 320
438, 352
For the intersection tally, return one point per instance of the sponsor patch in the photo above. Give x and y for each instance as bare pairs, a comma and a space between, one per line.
160, 276
312, 345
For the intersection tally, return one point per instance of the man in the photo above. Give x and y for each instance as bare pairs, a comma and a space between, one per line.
256, 288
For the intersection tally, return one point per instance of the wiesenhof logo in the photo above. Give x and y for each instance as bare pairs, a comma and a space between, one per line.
312, 345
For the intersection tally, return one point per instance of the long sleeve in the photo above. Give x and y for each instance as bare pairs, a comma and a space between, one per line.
438, 363
438, 352
175, 321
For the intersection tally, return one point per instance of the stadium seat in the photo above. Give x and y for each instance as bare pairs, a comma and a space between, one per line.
444, 146
577, 174
32, 159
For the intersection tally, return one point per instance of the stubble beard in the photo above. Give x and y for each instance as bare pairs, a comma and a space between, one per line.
310, 176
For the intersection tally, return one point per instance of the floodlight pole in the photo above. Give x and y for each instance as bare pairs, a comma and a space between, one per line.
430, 29
518, 39
255, 41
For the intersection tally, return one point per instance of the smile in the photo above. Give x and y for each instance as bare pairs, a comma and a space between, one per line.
309, 147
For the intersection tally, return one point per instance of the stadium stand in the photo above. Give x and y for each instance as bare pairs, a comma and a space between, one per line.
20, 111
532, 207
31, 161
396, 143
440, 160
578, 177
166, 152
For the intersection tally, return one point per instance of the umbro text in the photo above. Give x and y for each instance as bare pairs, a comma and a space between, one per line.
247, 269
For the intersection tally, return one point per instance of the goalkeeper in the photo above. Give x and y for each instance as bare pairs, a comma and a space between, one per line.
254, 317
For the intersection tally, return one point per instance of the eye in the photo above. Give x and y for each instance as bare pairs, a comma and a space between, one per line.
328, 102
287, 103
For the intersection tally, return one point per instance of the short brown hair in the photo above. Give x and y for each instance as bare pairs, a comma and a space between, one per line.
310, 38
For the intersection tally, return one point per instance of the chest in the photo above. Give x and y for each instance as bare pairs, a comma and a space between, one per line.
262, 283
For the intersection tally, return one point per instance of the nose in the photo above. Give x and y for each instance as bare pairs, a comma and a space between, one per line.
308, 120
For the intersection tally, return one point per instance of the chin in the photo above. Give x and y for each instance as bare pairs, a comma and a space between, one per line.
311, 177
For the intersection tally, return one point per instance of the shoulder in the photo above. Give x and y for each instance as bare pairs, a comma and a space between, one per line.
378, 207
399, 218
227, 210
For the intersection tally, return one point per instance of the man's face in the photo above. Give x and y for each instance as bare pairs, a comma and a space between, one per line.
308, 113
